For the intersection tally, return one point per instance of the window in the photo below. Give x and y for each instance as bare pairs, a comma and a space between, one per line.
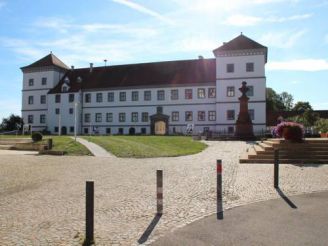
31, 82
159, 110
143, 130
211, 92
42, 119
188, 115
201, 115
134, 117
135, 95
110, 97
231, 129
206, 129
43, 99
71, 111
120, 131
160, 95
30, 119
147, 95
121, 117
65, 89
250, 91
88, 98
99, 97
230, 91
249, 67
108, 130
230, 68
86, 130
230, 114
144, 117
30, 100
211, 115
44, 81
56, 129
87, 118
251, 114
57, 111
175, 116
188, 93
201, 93
71, 98
57, 99
71, 128
174, 94
122, 96
109, 117
98, 117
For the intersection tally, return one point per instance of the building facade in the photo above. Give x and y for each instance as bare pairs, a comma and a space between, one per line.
148, 98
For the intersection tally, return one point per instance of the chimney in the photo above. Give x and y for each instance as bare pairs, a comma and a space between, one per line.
91, 67
72, 67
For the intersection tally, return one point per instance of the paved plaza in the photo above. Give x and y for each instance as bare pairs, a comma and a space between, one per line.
43, 197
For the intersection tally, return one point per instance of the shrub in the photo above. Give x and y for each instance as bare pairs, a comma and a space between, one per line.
322, 125
36, 136
290, 131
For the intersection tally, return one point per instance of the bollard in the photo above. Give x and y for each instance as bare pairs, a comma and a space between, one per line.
89, 216
219, 190
159, 181
276, 168
49, 144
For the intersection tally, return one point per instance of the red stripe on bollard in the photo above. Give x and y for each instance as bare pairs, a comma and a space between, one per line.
219, 166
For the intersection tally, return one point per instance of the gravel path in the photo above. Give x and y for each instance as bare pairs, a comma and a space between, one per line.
95, 149
42, 197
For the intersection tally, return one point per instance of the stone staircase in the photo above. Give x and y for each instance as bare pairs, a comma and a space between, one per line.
311, 151
11, 143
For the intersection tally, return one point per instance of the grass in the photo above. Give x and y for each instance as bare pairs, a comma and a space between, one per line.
60, 143
148, 146
64, 143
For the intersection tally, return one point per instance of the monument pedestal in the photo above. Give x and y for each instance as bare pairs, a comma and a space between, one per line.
244, 125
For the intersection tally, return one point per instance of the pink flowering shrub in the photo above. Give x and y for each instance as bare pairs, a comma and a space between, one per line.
290, 131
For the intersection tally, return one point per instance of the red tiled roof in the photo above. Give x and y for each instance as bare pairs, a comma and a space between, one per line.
198, 71
49, 60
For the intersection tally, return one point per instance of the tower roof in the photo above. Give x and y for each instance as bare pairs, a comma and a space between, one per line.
48, 60
241, 42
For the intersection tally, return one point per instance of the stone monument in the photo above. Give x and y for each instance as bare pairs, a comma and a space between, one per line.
244, 125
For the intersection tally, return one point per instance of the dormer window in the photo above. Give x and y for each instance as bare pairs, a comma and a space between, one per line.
64, 89
66, 80
79, 79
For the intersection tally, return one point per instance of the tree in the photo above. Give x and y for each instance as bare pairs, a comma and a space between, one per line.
13, 122
273, 101
302, 107
287, 100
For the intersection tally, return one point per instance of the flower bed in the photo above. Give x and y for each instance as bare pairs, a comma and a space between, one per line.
290, 131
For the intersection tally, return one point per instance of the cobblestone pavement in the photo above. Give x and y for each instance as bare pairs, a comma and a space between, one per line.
43, 197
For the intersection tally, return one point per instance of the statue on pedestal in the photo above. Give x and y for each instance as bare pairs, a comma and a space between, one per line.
244, 125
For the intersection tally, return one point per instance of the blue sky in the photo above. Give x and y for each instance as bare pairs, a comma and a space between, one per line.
133, 31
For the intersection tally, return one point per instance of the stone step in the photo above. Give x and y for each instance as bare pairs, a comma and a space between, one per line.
6, 147
310, 157
285, 161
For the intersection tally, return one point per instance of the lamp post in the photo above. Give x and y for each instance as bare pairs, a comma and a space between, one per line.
59, 123
75, 119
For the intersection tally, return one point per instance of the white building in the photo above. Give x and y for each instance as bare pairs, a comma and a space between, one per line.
148, 98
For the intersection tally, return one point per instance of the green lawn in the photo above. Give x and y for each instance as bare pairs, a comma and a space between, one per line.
64, 143
61, 143
148, 146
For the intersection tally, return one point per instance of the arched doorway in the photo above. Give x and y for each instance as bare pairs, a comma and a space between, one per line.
132, 131
160, 128
64, 130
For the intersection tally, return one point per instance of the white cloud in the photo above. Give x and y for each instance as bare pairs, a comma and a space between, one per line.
242, 20
248, 20
284, 40
307, 65
142, 9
